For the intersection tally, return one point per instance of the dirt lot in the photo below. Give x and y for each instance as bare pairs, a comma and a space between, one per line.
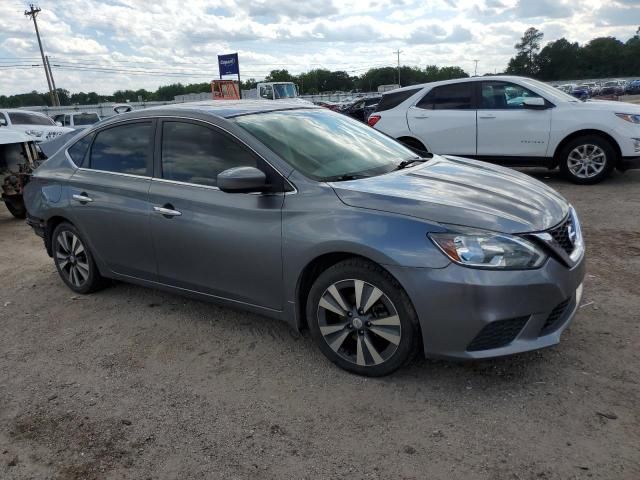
133, 383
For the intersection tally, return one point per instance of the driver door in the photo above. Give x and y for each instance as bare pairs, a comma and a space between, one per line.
227, 245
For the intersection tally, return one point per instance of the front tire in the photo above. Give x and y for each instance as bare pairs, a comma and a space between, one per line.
74, 260
587, 160
361, 318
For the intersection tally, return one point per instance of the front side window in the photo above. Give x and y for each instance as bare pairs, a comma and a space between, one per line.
504, 95
324, 145
456, 96
195, 153
24, 118
266, 92
123, 149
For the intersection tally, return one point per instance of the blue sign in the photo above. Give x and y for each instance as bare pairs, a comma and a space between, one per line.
228, 64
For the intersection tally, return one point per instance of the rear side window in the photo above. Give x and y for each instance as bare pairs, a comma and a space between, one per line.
123, 149
194, 153
457, 96
393, 99
78, 151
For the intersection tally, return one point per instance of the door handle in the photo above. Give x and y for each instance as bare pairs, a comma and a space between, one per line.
82, 198
167, 211
421, 116
487, 117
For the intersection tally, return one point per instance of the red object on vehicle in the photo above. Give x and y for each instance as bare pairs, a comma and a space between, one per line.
224, 90
373, 119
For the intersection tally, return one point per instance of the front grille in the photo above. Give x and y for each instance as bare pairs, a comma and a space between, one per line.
550, 323
497, 334
561, 235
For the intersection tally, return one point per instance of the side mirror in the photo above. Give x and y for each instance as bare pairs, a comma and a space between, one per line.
242, 180
534, 103
3, 122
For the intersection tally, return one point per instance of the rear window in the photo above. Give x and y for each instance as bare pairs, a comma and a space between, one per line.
393, 99
85, 118
23, 118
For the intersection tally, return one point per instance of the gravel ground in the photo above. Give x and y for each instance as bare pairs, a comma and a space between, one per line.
134, 383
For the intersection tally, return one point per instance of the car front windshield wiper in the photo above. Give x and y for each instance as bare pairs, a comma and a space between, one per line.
406, 163
345, 177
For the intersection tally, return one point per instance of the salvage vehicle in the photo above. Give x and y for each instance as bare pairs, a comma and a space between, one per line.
306, 215
19, 157
514, 121
361, 108
34, 124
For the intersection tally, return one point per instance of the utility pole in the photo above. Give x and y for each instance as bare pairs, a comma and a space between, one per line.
398, 52
53, 83
33, 13
475, 72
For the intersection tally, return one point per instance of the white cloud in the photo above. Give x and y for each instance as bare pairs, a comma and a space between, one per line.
177, 40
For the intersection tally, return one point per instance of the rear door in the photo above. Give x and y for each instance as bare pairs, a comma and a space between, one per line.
505, 127
109, 196
445, 119
227, 245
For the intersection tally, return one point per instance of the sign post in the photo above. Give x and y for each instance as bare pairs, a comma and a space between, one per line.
228, 65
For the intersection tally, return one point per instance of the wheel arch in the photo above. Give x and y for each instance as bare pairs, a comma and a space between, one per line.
582, 133
312, 271
50, 226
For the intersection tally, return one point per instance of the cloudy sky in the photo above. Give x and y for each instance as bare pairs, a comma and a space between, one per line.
128, 44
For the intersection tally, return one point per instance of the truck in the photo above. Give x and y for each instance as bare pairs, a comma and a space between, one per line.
272, 91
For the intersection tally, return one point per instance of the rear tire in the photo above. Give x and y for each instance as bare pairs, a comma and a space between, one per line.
361, 318
587, 160
74, 261
16, 208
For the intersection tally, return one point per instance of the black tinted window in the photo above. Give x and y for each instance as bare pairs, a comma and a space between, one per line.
197, 154
457, 96
123, 149
393, 99
23, 118
78, 151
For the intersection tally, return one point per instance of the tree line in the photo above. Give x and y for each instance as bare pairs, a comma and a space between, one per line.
603, 57
311, 82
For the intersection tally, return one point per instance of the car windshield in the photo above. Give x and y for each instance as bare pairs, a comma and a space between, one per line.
324, 145
23, 118
284, 90
85, 118
549, 91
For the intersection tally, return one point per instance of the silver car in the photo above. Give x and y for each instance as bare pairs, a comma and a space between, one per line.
302, 214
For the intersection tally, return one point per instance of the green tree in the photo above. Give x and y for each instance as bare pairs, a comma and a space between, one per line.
602, 57
525, 61
559, 60
280, 76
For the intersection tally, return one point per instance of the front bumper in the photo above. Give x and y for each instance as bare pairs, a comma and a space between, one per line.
465, 313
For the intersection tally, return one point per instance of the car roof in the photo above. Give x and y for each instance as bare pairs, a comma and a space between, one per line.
18, 110
227, 108
487, 78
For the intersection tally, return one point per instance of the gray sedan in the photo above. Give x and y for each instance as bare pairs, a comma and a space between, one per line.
305, 215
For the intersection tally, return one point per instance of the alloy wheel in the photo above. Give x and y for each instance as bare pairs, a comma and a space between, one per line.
586, 161
359, 322
71, 258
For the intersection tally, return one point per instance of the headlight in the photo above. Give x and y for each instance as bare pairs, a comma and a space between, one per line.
34, 133
489, 250
629, 117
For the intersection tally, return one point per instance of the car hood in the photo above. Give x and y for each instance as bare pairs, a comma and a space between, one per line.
458, 191
611, 106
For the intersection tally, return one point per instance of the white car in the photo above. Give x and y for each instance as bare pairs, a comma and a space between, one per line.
76, 120
516, 121
37, 126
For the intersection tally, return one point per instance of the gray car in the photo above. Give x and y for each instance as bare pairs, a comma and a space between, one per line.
305, 215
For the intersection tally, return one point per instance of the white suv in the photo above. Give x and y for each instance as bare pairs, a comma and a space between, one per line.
516, 121
37, 126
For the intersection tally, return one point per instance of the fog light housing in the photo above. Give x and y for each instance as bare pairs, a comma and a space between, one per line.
636, 145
